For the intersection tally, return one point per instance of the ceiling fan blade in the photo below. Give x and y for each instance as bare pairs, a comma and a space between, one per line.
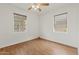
44, 4
39, 9
29, 8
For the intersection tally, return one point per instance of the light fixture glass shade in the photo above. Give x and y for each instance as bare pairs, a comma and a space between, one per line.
35, 7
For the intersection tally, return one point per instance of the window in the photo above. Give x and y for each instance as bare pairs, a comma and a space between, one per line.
19, 22
60, 22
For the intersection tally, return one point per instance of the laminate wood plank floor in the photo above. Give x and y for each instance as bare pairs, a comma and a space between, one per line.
38, 47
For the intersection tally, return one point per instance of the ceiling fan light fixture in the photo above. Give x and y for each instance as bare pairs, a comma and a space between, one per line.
38, 6
35, 7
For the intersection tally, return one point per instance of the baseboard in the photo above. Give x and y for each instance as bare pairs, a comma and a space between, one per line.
34, 38
20, 41
45, 38
56, 42
37, 37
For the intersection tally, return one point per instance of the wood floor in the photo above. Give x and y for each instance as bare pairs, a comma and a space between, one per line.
38, 47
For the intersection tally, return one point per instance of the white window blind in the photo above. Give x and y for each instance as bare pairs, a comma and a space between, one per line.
19, 22
60, 22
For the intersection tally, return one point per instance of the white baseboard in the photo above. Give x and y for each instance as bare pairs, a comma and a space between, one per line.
48, 38
19, 41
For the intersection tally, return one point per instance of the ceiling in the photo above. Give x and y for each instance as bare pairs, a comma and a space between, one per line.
25, 6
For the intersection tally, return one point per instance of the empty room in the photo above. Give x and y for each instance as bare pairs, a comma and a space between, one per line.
39, 28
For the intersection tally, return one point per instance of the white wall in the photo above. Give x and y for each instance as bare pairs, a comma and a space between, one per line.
7, 34
47, 25
78, 27
45, 21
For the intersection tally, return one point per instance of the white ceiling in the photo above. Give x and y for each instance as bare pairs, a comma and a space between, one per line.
25, 6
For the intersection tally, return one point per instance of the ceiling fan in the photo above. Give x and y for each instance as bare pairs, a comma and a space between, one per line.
38, 6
